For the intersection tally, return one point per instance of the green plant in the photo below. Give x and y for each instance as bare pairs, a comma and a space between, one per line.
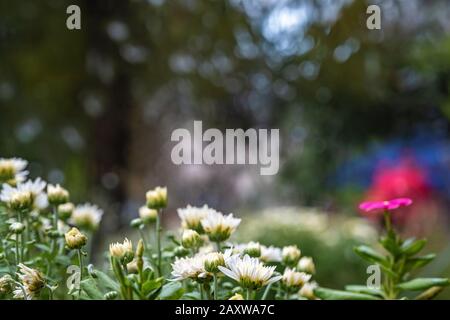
397, 264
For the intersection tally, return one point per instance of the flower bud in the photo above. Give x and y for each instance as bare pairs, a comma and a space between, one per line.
111, 295
306, 264
136, 223
132, 267
253, 249
21, 200
237, 296
307, 291
290, 255
213, 260
157, 198
65, 210
17, 227
122, 251
294, 279
6, 284
191, 239
148, 215
75, 239
57, 195
140, 248
32, 279
180, 252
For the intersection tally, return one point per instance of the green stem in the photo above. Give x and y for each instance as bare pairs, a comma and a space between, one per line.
249, 294
22, 237
50, 292
387, 222
266, 292
80, 261
17, 250
158, 240
202, 296
218, 246
215, 286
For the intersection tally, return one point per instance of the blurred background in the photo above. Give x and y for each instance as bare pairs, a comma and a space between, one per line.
363, 114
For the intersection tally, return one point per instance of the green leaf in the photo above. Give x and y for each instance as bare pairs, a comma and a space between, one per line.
151, 285
390, 245
191, 296
371, 255
364, 290
411, 246
418, 262
329, 294
90, 288
43, 247
171, 291
106, 282
423, 284
429, 294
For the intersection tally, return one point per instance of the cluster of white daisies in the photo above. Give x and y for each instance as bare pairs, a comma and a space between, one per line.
206, 233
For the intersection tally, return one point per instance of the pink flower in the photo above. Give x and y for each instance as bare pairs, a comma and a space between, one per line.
385, 205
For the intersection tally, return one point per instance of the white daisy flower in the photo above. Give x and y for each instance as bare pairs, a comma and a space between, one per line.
191, 217
249, 272
24, 193
12, 171
86, 216
219, 227
292, 278
190, 268
270, 254
36, 188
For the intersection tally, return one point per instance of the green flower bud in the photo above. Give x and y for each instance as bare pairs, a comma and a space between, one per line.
191, 239
213, 260
57, 195
180, 252
157, 198
140, 248
148, 215
21, 200
111, 295
136, 223
17, 227
253, 249
291, 255
65, 210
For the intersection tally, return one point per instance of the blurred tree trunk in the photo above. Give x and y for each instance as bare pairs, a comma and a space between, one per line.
111, 129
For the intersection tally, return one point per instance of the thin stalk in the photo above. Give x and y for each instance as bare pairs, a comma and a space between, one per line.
202, 296
266, 292
215, 286
17, 250
249, 294
22, 236
50, 292
80, 261
158, 240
